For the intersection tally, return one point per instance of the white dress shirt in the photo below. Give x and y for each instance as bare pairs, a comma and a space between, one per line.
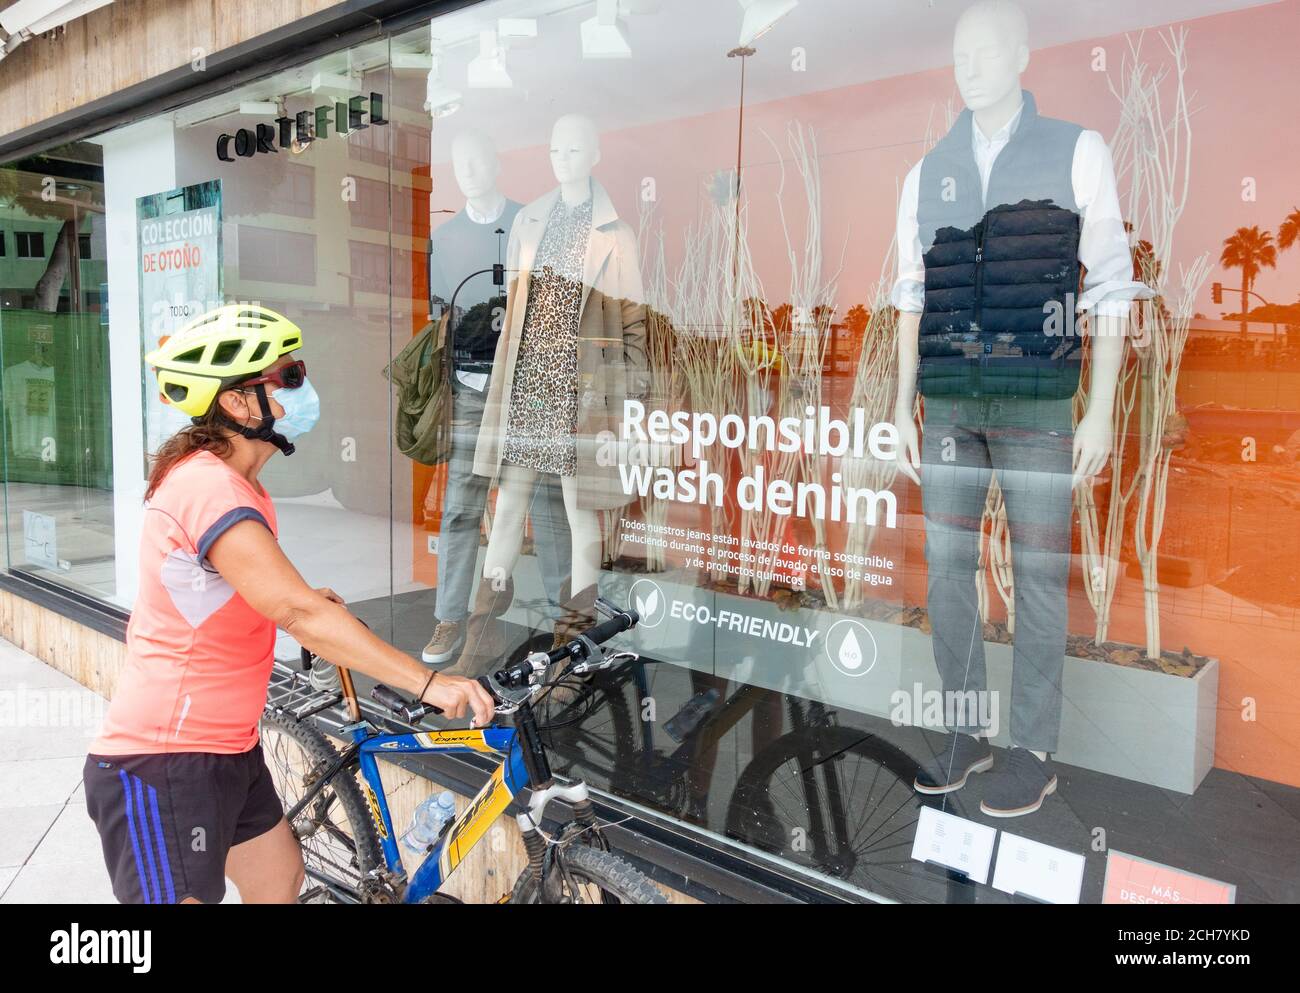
1108, 284
479, 218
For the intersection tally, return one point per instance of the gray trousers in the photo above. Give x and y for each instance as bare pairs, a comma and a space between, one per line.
464, 498
1028, 444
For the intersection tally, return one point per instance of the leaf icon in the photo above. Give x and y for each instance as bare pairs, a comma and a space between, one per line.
647, 606
850, 651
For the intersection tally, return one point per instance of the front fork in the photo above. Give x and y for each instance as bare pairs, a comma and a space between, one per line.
584, 822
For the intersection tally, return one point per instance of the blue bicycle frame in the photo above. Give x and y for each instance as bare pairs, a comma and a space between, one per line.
471, 825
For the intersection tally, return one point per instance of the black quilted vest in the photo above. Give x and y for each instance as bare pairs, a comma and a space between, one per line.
1003, 271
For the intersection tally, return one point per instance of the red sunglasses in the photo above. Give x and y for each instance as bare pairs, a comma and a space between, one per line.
290, 376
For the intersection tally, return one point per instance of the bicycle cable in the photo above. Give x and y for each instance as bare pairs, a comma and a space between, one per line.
575, 684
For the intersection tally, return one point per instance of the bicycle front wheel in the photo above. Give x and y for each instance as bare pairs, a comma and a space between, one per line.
839, 800
580, 874
334, 830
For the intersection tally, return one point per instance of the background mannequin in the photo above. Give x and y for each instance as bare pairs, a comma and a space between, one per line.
572, 351
998, 388
459, 250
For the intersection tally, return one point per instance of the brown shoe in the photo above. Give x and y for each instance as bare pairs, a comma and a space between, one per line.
485, 641
448, 637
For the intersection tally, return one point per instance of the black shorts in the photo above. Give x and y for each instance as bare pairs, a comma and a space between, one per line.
168, 821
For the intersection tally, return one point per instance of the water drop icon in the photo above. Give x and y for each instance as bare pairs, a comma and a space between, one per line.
850, 651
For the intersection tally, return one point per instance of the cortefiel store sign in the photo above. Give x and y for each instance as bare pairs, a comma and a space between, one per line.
304, 127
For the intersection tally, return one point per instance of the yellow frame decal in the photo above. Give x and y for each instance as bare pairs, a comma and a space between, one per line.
377, 816
474, 822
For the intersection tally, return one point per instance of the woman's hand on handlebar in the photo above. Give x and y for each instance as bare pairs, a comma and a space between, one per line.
456, 696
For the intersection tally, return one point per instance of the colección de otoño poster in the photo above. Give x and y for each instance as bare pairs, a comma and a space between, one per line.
178, 257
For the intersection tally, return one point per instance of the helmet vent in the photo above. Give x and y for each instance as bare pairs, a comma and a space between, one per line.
259, 351
193, 355
176, 392
226, 352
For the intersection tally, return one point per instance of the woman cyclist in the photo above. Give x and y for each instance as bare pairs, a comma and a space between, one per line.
176, 782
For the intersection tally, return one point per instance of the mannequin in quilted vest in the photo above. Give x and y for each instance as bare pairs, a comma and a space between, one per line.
1011, 248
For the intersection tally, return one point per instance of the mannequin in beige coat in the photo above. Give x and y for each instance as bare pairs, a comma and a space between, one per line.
611, 364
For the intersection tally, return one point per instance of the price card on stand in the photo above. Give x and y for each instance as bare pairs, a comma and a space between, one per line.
955, 843
1038, 871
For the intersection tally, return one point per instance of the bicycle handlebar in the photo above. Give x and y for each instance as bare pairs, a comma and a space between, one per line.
622, 621
519, 674
412, 710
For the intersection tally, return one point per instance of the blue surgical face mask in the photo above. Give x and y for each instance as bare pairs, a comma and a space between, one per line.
301, 410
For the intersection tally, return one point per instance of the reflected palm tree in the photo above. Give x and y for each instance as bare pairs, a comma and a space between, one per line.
1289, 232
1248, 249
1287, 235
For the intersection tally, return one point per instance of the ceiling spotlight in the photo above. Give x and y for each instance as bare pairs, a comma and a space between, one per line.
487, 70
760, 15
440, 100
602, 35
38, 16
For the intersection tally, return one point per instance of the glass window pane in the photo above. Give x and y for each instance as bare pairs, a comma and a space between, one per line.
58, 419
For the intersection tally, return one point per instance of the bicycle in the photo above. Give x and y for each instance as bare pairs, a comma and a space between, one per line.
347, 863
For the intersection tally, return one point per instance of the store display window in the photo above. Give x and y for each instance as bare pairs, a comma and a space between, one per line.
925, 378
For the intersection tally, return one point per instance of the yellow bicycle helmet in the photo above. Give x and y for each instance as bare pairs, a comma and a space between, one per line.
220, 347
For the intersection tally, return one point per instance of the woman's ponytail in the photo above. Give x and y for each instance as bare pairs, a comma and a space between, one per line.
208, 435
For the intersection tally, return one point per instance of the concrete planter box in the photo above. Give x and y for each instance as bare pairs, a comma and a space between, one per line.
1146, 726
1150, 727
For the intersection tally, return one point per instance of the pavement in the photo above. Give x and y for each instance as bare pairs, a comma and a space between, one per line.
49, 849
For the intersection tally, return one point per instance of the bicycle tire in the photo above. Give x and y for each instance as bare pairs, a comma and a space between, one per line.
361, 847
755, 814
616, 880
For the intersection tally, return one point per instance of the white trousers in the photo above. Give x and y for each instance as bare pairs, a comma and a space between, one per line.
513, 498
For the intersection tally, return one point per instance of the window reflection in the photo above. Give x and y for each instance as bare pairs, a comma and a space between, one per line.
640, 299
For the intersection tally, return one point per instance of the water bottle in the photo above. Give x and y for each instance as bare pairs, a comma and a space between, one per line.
430, 816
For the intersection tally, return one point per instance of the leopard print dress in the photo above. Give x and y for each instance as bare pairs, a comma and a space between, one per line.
543, 419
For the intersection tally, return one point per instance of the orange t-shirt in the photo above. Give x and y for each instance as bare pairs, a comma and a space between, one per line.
198, 657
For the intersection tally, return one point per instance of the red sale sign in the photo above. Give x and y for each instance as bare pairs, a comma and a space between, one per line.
1130, 879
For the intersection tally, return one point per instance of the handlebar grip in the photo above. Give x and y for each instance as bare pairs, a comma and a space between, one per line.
388, 697
617, 624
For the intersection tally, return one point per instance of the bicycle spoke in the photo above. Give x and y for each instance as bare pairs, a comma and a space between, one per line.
907, 798
328, 849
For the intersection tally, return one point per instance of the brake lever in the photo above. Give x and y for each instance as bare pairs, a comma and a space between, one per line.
606, 662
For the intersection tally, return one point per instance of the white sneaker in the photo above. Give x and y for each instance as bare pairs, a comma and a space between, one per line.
448, 638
